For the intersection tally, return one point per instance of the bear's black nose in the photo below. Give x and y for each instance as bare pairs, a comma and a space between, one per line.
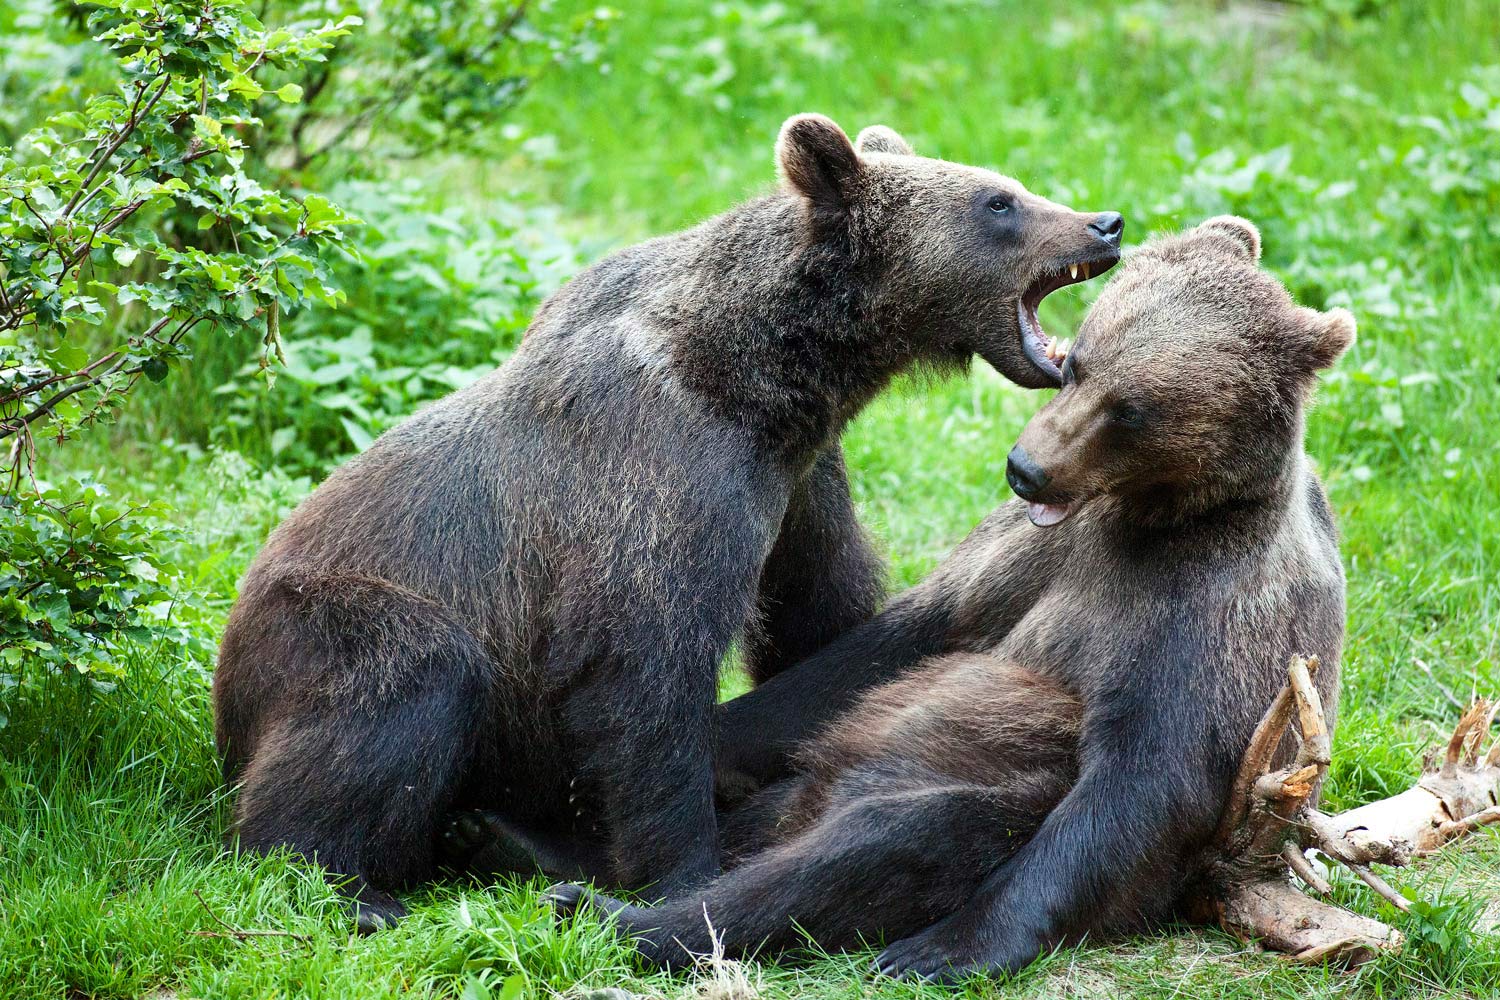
1109, 227
1024, 475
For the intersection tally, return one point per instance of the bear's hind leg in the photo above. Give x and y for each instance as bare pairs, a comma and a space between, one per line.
370, 699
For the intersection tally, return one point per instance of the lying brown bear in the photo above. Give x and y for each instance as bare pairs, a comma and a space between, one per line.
1111, 639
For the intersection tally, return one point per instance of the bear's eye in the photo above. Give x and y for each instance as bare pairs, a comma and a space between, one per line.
1127, 416
1000, 204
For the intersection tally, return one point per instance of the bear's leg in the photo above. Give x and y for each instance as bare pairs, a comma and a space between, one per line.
766, 818
645, 745
821, 579
372, 701
885, 864
759, 732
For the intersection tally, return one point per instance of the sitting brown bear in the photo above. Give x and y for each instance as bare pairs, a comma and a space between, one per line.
1109, 642
517, 601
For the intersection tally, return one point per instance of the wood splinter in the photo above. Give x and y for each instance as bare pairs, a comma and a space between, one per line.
1270, 823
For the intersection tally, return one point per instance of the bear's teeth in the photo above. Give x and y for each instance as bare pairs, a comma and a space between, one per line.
1085, 270
1073, 271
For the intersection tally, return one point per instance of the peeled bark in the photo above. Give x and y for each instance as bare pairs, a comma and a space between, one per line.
1270, 824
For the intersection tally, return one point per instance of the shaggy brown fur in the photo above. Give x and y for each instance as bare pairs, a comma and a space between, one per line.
517, 600
1108, 644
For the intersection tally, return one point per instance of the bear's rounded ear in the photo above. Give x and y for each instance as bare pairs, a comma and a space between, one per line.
816, 159
879, 139
1323, 337
1242, 231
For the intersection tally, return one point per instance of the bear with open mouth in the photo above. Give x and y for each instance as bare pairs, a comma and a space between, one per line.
515, 603
1076, 684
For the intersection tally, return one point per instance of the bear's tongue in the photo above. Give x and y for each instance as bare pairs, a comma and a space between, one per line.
1046, 515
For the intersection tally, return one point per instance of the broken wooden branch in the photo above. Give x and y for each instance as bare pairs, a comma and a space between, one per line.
1271, 823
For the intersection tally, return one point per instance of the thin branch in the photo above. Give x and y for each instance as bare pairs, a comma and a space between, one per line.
40, 386
126, 132
1258, 756
1298, 863
1466, 725
6, 430
1381, 886
241, 934
1467, 825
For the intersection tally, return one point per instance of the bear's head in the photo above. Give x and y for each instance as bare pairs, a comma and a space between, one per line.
1186, 387
956, 258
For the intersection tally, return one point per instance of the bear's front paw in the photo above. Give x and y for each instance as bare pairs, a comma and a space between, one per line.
567, 898
466, 834
927, 955
950, 951
632, 922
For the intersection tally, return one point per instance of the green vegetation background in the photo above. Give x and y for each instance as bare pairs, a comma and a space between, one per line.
1364, 138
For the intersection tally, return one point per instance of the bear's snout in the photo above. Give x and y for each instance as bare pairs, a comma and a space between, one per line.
1025, 477
1109, 227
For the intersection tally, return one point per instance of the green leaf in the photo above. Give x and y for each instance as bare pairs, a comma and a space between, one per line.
207, 220
125, 255
360, 437
291, 93
155, 369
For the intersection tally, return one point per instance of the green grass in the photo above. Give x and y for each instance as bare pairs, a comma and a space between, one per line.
110, 812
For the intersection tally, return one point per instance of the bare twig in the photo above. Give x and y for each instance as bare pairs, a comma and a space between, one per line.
1298, 863
238, 933
1480, 710
1381, 887
1258, 756
1461, 827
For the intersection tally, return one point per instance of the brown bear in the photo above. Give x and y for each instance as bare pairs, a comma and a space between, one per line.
518, 599
1109, 641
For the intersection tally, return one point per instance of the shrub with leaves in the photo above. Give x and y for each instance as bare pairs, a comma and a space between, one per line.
422, 78
436, 300
80, 575
93, 294
101, 282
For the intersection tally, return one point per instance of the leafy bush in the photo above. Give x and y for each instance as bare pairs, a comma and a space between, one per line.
422, 77
85, 215
101, 283
80, 578
436, 300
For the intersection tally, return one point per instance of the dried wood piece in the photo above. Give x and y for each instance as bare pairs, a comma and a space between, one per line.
1283, 919
1270, 822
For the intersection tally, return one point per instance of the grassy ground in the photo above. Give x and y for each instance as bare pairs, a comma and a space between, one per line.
1366, 151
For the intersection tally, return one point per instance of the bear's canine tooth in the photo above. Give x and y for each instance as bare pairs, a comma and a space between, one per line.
1085, 270
1073, 271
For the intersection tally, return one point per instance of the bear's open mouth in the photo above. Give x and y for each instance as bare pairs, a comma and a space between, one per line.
1040, 349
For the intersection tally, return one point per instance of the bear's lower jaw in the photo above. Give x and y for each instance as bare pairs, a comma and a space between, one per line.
1049, 515
1035, 343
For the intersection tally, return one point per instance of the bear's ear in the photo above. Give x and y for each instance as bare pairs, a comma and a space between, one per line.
816, 158
1323, 337
1241, 232
879, 139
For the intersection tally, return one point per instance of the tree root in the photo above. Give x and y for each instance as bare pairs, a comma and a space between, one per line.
1271, 823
